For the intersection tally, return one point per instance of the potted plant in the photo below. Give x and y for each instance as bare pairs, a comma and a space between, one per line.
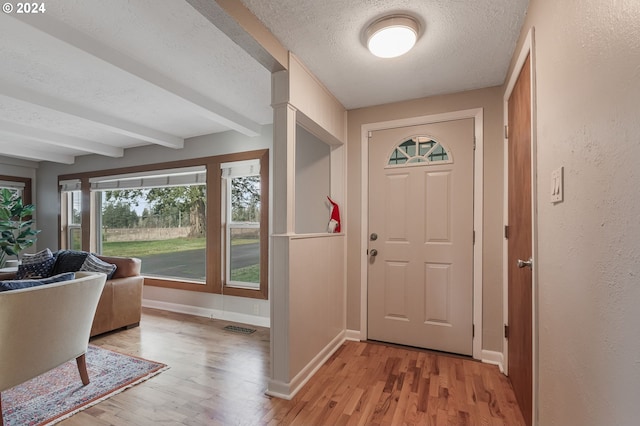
16, 233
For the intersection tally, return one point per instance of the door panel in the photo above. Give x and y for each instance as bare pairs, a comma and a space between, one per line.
421, 281
395, 300
520, 241
437, 293
438, 206
397, 186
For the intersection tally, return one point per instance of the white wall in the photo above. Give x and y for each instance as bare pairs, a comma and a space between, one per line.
588, 120
18, 168
297, 351
239, 309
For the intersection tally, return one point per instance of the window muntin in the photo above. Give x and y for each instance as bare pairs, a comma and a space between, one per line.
419, 150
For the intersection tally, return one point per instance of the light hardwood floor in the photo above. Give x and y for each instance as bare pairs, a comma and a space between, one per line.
219, 377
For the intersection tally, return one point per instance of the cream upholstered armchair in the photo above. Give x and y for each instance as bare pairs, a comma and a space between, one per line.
45, 326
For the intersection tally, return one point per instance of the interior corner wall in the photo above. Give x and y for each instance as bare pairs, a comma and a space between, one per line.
587, 56
490, 100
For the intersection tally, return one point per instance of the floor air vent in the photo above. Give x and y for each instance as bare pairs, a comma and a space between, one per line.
242, 330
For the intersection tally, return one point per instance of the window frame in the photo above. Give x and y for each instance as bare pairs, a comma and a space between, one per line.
229, 224
26, 191
214, 282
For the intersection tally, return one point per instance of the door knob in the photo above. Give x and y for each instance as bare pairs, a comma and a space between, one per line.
373, 252
523, 263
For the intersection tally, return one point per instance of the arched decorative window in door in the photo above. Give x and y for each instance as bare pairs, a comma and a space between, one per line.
419, 150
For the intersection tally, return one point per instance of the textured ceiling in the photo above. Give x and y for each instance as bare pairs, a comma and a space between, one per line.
95, 76
465, 44
88, 76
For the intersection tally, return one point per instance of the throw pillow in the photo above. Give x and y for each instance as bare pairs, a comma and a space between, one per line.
94, 264
38, 265
18, 284
69, 261
28, 258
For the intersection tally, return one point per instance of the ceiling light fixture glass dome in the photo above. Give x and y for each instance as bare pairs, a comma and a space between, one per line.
392, 36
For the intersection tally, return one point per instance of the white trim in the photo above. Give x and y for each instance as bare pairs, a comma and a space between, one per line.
528, 48
287, 391
493, 358
11, 184
207, 312
353, 335
478, 182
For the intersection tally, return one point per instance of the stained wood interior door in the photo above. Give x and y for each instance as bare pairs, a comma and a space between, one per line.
420, 275
520, 242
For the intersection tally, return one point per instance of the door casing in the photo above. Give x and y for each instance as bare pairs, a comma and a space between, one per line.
526, 50
477, 115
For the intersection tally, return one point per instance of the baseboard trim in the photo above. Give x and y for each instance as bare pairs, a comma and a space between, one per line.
207, 313
495, 358
352, 335
287, 391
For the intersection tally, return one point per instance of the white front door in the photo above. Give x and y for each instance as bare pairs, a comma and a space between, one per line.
420, 273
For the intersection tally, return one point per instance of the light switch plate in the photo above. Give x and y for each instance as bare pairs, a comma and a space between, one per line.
557, 185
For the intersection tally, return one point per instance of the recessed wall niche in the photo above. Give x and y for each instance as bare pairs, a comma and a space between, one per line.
312, 183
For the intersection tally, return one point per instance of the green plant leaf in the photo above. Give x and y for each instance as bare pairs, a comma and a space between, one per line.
15, 234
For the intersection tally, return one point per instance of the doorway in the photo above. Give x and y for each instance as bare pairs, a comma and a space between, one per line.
437, 270
421, 236
520, 232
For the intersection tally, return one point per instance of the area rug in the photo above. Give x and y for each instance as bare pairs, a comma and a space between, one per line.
59, 393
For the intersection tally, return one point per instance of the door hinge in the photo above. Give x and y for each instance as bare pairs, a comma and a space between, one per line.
474, 143
474, 237
473, 330
506, 132
506, 331
506, 231
370, 134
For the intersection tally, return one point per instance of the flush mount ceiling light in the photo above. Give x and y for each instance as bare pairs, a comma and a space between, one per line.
392, 36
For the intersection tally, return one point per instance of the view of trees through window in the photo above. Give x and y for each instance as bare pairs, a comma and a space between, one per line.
165, 227
164, 215
243, 231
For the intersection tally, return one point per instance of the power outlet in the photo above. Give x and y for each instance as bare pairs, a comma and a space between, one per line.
256, 309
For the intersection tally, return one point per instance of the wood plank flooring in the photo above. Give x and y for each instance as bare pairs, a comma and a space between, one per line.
219, 377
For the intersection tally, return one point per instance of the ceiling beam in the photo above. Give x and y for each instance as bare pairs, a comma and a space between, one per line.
58, 139
240, 25
27, 152
202, 105
104, 121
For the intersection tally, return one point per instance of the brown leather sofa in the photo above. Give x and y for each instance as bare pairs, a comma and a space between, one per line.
120, 305
121, 302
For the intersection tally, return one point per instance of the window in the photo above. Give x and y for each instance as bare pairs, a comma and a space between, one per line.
17, 184
71, 214
419, 150
170, 216
241, 181
159, 217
